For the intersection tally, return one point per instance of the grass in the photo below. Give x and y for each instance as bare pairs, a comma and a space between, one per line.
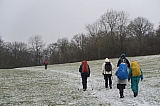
35, 86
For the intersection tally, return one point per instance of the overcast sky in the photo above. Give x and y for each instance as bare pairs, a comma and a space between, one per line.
53, 19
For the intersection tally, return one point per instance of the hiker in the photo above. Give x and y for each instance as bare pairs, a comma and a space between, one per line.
85, 72
107, 67
124, 60
46, 63
135, 74
122, 77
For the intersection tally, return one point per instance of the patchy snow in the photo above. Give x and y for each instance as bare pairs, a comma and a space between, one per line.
61, 85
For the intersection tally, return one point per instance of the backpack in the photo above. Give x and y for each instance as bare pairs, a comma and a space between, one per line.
85, 67
108, 67
46, 62
122, 71
135, 69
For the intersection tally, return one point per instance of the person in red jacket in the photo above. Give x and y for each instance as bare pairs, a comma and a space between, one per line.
46, 63
85, 72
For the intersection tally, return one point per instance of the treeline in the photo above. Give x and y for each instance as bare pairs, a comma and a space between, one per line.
112, 34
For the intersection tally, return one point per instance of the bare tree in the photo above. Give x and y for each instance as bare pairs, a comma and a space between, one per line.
158, 39
16, 55
80, 41
140, 27
2, 54
122, 22
110, 20
115, 25
36, 48
53, 53
92, 32
52, 48
63, 46
140, 30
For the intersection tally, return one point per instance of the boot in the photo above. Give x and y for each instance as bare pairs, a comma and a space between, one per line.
110, 86
121, 94
134, 93
106, 85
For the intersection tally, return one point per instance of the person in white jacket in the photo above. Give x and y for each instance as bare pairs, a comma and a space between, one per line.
107, 68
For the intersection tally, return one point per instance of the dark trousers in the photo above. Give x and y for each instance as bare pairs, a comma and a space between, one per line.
121, 88
45, 66
84, 81
107, 77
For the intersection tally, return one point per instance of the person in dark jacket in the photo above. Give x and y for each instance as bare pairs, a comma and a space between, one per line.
85, 73
124, 60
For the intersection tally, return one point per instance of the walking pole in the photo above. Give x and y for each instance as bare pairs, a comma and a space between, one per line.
91, 82
112, 74
79, 81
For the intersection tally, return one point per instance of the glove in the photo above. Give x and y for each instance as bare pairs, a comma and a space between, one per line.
102, 73
88, 75
141, 79
128, 80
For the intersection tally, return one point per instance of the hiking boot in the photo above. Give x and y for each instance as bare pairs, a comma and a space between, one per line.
106, 86
110, 86
135, 94
122, 96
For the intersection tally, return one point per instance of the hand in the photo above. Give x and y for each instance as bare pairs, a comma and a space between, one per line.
102, 73
128, 80
141, 79
88, 75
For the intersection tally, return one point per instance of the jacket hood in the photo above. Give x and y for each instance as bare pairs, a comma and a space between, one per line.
106, 60
123, 55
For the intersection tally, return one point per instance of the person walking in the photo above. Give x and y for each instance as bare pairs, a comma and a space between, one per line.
84, 69
135, 74
122, 77
107, 67
46, 63
123, 59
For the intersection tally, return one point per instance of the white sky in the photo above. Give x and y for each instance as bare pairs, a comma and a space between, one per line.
53, 19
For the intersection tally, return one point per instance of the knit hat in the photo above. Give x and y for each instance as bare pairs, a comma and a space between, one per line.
106, 60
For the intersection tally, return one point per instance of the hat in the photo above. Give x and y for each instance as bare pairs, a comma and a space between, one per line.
106, 60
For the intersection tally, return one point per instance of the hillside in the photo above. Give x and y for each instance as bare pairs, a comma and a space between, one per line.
61, 84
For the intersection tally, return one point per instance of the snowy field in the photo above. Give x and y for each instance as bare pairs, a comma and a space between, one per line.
61, 85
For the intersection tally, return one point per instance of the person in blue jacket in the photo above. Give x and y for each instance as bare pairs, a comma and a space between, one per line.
135, 78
